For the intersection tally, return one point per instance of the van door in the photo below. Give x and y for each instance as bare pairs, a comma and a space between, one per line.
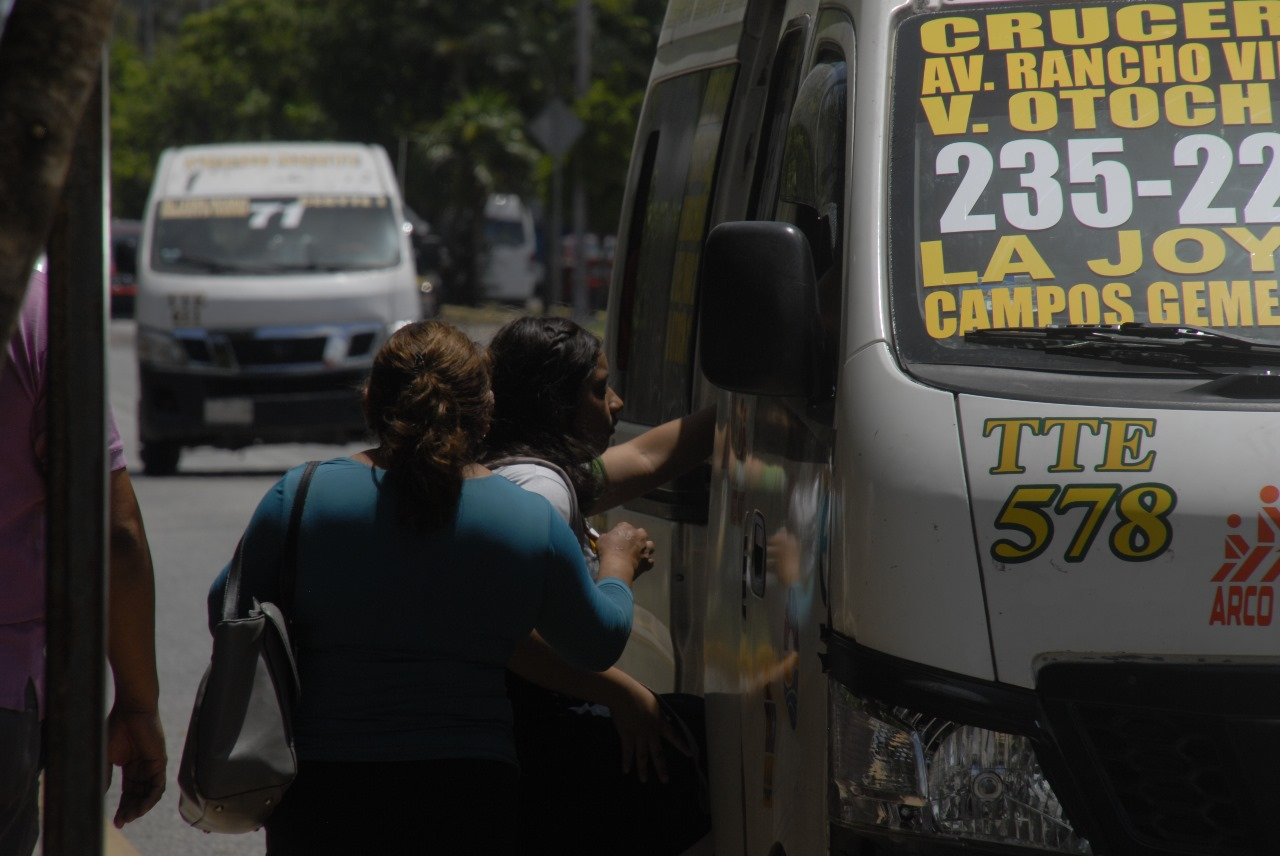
772, 487
652, 359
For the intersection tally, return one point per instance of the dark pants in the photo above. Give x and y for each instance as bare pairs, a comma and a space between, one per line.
20, 764
450, 807
574, 798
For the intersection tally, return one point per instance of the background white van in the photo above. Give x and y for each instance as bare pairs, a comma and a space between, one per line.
510, 269
269, 274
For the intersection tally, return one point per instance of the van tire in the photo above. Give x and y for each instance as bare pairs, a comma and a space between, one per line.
160, 458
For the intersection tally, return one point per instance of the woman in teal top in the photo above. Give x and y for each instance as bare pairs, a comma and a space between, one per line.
418, 572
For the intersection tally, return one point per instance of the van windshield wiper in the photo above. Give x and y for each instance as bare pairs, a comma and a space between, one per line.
1167, 345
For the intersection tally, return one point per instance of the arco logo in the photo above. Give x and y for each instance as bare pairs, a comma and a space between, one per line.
1245, 595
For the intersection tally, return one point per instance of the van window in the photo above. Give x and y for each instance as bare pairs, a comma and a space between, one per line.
224, 235
683, 123
1108, 178
812, 190
784, 79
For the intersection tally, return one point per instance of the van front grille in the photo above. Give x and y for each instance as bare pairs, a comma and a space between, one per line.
1173, 758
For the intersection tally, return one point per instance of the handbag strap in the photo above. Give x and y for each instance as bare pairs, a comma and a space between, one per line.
288, 569
576, 521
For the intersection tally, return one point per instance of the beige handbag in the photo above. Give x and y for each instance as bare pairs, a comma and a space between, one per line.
238, 759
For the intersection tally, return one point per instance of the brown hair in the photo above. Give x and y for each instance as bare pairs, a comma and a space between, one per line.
428, 404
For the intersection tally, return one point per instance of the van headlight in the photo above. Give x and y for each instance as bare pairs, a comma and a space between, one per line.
900, 771
160, 348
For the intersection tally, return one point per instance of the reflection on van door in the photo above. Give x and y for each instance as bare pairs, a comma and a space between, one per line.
775, 487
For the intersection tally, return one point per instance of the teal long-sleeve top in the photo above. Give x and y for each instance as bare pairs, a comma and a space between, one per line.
402, 635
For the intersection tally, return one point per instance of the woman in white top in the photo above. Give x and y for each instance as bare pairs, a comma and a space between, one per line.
553, 421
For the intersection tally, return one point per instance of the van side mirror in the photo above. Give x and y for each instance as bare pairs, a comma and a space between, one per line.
759, 323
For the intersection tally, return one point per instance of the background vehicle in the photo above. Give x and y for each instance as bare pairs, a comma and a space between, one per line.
125, 235
270, 274
509, 273
985, 294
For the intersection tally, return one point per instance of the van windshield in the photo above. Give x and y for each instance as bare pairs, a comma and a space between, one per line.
1104, 164
242, 235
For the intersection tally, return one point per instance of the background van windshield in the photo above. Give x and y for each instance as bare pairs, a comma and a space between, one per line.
230, 236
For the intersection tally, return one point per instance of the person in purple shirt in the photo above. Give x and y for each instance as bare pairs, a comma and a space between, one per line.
135, 739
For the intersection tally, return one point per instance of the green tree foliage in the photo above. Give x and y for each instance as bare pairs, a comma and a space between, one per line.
239, 72
395, 72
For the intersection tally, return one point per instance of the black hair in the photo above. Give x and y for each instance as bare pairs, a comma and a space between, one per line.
539, 366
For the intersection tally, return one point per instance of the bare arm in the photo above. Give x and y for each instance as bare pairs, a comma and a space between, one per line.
637, 716
135, 738
655, 457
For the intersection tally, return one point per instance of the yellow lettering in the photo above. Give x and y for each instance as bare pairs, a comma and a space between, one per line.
1134, 107
947, 115
1084, 115
1262, 251
1193, 303
1139, 23
1213, 250
1162, 303
1178, 110
949, 35
1229, 304
933, 269
1010, 439
1253, 99
1016, 29
936, 77
1265, 298
1013, 307
1205, 21
1050, 300
1130, 243
1069, 441
1082, 304
1089, 28
1123, 452
937, 305
1033, 111
1257, 18
973, 311
1028, 260
1115, 295
968, 72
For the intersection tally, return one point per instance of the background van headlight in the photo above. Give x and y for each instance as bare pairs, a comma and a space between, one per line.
159, 348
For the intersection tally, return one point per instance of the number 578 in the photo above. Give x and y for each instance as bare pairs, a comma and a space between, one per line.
1141, 533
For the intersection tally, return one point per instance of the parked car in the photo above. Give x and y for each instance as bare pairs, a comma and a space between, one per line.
125, 235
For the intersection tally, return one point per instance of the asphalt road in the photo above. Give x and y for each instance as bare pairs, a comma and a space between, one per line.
193, 521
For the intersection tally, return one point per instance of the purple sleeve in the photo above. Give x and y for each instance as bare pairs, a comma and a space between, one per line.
115, 444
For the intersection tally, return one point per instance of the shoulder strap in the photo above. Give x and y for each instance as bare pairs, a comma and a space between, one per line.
288, 570
576, 521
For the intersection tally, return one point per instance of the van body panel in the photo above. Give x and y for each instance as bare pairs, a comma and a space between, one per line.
268, 276
904, 525
1112, 514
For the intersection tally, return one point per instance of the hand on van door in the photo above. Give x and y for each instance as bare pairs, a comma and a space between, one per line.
626, 552
642, 727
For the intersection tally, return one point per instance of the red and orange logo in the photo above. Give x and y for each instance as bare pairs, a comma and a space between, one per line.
1246, 594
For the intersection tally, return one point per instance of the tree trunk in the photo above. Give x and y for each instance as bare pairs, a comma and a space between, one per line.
51, 54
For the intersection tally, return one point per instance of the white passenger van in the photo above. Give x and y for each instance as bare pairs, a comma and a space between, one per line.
510, 270
269, 275
986, 294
